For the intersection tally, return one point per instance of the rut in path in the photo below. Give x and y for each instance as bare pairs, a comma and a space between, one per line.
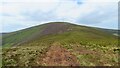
57, 55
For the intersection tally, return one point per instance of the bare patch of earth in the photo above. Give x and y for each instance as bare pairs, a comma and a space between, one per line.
58, 56
54, 29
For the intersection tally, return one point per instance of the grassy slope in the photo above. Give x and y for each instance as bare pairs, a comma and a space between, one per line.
14, 38
24, 35
18, 37
90, 39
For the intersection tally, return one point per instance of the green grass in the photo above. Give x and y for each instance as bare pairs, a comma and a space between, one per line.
19, 36
28, 54
23, 56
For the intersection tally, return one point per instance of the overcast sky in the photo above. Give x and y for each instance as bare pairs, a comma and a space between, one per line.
20, 14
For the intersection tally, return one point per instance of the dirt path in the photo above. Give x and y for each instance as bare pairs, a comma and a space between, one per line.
57, 55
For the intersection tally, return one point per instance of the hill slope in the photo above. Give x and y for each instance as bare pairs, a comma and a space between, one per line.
90, 46
18, 37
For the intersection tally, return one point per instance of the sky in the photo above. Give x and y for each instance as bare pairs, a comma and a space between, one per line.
20, 14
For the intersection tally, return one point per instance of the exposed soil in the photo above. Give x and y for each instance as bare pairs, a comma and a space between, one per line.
54, 28
57, 55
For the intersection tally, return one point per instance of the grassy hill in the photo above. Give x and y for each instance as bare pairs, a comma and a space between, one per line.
90, 46
18, 37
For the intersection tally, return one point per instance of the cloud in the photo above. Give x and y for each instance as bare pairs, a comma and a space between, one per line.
100, 13
19, 14
30, 1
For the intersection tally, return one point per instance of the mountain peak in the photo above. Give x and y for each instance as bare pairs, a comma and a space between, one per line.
55, 27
